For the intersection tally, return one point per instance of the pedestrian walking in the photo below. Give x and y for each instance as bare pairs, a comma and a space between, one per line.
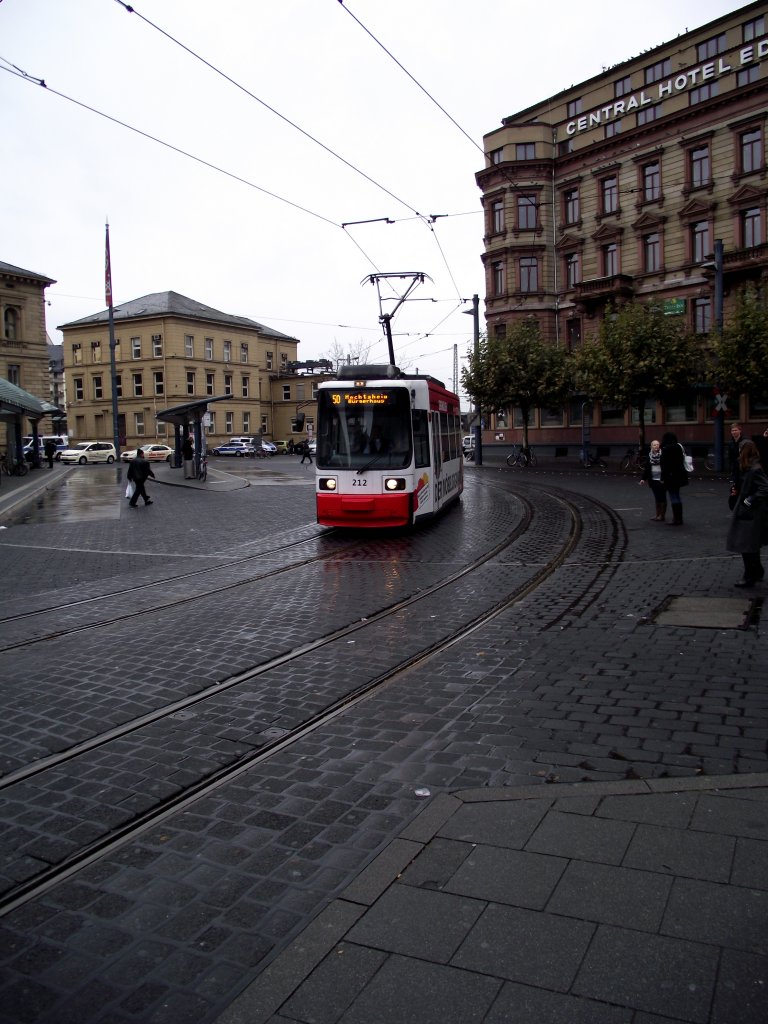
188, 455
652, 477
674, 475
749, 522
306, 453
734, 473
50, 450
138, 472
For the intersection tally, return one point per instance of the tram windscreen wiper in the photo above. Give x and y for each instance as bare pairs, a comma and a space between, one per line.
370, 462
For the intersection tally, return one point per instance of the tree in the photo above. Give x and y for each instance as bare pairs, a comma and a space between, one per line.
520, 370
356, 352
639, 355
741, 355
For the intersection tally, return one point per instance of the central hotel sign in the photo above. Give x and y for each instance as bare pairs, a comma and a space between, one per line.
687, 80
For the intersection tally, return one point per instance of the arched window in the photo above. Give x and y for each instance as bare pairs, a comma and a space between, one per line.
11, 324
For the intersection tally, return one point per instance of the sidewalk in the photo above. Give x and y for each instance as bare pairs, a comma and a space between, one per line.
590, 903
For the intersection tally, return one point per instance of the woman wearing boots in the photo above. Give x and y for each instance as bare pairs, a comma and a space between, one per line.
652, 477
749, 524
673, 474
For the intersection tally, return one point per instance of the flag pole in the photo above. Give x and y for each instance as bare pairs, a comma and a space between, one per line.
112, 360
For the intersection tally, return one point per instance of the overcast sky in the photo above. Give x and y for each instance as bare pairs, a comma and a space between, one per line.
283, 259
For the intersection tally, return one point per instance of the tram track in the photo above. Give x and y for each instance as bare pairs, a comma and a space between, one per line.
282, 739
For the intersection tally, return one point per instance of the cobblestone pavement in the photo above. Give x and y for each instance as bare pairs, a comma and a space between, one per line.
576, 682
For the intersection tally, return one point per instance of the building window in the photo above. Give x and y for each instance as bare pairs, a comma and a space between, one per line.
138, 424
573, 269
565, 146
157, 346
526, 212
753, 29
700, 247
648, 114
571, 208
11, 324
610, 254
138, 387
497, 217
497, 277
751, 150
77, 354
270, 358
529, 274
246, 423
98, 388
702, 316
622, 87
95, 351
136, 348
286, 392
243, 351
189, 346
702, 93
283, 360
651, 182
210, 380
158, 382
614, 128
190, 382
655, 73
711, 48
229, 423
79, 393
209, 349
245, 385
119, 385
14, 374
609, 194
227, 383
575, 107
496, 155
652, 252
500, 331
525, 150
573, 332
264, 424
751, 228
698, 166
748, 75
227, 351
211, 428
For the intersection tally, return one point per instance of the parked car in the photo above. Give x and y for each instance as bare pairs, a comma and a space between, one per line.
282, 447
152, 452
238, 449
269, 447
90, 451
468, 443
312, 444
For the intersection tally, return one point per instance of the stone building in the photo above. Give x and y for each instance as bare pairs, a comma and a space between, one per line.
616, 190
170, 349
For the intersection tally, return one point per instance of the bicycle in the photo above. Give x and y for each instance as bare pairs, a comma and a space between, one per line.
12, 468
634, 460
202, 473
521, 457
588, 460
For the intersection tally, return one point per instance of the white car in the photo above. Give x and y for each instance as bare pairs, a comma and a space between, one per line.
90, 451
152, 452
269, 447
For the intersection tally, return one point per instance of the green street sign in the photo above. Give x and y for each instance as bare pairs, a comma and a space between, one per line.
674, 307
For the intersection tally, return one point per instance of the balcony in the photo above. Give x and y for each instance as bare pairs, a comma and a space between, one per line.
602, 290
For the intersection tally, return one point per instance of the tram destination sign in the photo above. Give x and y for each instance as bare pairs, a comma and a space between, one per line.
362, 397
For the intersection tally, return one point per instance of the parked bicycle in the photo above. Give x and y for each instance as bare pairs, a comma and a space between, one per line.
10, 467
635, 460
521, 457
588, 460
202, 473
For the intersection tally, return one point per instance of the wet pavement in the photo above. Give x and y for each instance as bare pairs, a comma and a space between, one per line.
438, 854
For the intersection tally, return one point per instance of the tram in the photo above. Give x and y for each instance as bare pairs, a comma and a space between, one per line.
388, 448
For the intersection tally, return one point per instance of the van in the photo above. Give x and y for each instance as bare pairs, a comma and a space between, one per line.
61, 441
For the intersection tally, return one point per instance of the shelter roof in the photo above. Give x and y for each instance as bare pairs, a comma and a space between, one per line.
14, 400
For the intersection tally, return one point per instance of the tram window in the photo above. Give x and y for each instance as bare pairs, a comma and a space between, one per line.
420, 437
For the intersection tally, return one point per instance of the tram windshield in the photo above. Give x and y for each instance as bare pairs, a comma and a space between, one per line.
364, 429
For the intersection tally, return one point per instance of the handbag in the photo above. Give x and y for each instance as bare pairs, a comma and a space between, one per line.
687, 461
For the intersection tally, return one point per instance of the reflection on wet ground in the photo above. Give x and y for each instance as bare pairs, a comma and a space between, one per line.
87, 494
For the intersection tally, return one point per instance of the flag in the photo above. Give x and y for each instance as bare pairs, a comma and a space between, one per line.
108, 274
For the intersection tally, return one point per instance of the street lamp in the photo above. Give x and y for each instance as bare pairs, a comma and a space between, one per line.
477, 430
719, 414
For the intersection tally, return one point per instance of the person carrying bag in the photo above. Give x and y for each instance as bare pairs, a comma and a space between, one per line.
748, 530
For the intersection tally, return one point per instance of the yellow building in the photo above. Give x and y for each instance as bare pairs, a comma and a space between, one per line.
169, 350
23, 341
617, 189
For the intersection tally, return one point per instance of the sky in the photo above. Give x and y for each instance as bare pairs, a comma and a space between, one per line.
302, 116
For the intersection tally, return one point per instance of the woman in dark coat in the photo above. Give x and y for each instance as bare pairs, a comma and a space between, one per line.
749, 524
673, 474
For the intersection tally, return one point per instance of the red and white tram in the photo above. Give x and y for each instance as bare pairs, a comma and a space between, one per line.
388, 448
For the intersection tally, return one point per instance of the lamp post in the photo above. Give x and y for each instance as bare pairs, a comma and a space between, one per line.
719, 417
477, 429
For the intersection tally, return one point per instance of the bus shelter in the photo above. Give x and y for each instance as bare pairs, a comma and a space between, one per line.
16, 405
188, 419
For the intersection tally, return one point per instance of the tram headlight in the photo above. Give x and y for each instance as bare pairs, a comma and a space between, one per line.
326, 483
394, 483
